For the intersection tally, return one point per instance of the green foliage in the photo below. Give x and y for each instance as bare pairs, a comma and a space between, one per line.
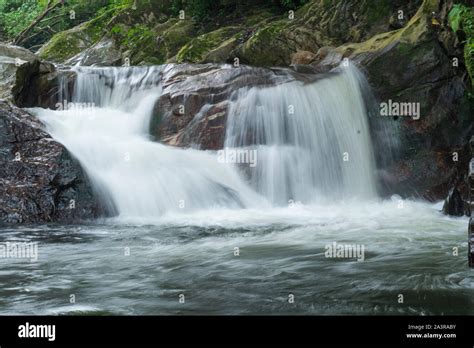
461, 18
292, 4
137, 35
15, 15
208, 10
455, 15
469, 59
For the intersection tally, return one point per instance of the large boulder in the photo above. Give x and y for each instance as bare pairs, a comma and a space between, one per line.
25, 80
454, 204
39, 180
12, 59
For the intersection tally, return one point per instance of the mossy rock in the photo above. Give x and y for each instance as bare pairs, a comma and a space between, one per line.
269, 46
66, 44
178, 35
161, 44
217, 44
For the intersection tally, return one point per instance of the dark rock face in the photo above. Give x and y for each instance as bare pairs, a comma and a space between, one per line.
454, 204
39, 181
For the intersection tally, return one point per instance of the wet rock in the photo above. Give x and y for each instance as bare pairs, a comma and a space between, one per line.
192, 111
39, 181
413, 65
454, 204
303, 58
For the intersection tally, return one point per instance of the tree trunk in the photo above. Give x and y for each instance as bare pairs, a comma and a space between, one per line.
49, 7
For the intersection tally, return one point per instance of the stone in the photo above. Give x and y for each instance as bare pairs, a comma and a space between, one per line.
12, 59
303, 57
39, 180
454, 204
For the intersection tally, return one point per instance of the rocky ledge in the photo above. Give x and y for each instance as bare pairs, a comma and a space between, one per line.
39, 181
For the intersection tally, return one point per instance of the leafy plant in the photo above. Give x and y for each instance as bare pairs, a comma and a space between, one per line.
455, 15
461, 19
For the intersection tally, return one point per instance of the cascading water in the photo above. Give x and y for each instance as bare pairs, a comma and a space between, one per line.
106, 129
312, 143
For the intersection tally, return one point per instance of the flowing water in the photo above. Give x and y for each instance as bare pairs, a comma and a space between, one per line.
194, 235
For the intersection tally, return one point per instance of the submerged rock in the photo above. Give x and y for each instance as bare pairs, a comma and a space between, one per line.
39, 181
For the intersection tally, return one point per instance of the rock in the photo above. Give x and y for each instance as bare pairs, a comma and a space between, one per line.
39, 181
103, 41
396, 22
25, 80
470, 245
102, 53
410, 65
67, 44
13, 58
454, 204
192, 110
303, 58
214, 46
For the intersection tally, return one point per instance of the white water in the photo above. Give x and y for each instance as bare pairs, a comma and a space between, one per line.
312, 141
300, 155
135, 176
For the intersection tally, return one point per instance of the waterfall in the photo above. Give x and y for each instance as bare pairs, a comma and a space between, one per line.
106, 128
311, 142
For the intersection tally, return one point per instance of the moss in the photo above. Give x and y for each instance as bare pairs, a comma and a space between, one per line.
65, 45
177, 36
197, 48
377, 10
262, 16
469, 60
269, 39
461, 17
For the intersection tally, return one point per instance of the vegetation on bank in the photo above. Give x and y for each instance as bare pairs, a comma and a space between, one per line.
61, 15
258, 32
18, 15
461, 20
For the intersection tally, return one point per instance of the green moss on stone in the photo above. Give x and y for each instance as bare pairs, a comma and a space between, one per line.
67, 44
196, 50
268, 46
